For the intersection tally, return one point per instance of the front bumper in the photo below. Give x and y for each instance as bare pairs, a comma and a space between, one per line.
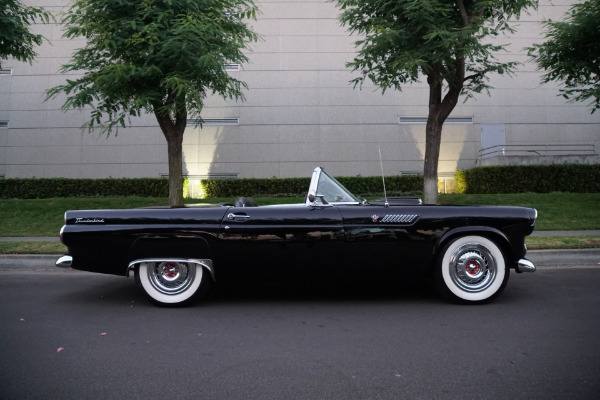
525, 265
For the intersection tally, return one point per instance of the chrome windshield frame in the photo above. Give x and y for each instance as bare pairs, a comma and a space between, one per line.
315, 191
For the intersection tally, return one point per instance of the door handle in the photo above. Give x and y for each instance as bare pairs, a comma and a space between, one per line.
237, 217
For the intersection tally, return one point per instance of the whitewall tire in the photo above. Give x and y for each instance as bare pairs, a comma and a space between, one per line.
172, 282
472, 270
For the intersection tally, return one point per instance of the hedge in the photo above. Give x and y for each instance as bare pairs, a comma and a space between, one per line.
574, 178
373, 184
254, 187
34, 188
42, 188
299, 186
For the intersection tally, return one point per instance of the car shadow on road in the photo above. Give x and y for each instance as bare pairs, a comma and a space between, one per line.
248, 291
120, 291
108, 289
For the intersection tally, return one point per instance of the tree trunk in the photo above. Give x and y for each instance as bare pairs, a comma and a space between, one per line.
173, 132
175, 150
433, 140
439, 109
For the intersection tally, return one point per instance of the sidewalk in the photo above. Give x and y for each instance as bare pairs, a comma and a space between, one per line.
30, 239
565, 233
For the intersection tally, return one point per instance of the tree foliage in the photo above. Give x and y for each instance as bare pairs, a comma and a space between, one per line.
447, 42
154, 56
406, 39
571, 53
15, 39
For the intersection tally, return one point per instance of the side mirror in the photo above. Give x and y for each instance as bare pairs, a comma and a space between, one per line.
311, 200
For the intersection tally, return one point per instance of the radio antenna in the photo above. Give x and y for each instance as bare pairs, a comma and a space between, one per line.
383, 179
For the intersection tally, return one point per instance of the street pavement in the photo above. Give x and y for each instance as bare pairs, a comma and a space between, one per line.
73, 335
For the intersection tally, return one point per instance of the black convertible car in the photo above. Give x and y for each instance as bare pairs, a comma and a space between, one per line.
177, 253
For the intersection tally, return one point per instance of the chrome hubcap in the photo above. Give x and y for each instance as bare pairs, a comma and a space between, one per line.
170, 277
472, 267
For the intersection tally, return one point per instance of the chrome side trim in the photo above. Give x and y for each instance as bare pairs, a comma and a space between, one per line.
205, 263
399, 218
524, 265
64, 262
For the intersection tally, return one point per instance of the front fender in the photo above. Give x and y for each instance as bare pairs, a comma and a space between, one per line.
493, 234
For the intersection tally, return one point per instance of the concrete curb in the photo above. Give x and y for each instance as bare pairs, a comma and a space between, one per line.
35, 262
590, 257
541, 258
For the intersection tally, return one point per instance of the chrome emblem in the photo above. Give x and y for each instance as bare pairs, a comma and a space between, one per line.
89, 220
375, 217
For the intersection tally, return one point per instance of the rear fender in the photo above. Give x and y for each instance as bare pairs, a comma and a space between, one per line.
172, 248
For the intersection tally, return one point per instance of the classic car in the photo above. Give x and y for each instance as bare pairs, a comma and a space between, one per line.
177, 253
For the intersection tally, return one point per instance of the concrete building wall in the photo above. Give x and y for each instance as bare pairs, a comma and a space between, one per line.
300, 111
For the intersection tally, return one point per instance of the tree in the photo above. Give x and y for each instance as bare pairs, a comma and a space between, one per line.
155, 56
571, 53
446, 41
15, 39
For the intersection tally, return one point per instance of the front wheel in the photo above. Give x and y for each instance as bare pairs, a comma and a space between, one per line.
471, 270
172, 282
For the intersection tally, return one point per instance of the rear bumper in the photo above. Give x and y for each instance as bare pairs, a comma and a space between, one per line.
64, 262
525, 265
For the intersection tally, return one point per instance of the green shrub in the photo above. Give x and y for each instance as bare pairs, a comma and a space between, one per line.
574, 178
299, 186
369, 185
254, 187
460, 179
43, 188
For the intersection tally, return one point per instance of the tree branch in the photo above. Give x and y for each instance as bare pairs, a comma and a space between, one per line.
463, 12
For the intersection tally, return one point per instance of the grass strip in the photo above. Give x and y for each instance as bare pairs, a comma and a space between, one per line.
32, 248
562, 242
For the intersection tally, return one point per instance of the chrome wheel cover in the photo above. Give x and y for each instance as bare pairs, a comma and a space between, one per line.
171, 278
473, 267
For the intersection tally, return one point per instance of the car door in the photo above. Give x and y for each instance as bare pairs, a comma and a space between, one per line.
388, 240
273, 241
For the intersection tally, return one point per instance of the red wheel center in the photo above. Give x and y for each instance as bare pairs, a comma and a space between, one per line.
473, 268
170, 270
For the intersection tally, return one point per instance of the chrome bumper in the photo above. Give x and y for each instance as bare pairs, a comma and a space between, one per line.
64, 262
524, 265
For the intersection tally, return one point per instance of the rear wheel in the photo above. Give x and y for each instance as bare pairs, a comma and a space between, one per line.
471, 270
172, 282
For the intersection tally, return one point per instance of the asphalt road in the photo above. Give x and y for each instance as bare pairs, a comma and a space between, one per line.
73, 335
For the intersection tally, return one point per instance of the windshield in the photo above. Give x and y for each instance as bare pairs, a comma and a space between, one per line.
327, 188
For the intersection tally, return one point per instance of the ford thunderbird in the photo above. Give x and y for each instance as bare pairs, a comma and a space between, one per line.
176, 254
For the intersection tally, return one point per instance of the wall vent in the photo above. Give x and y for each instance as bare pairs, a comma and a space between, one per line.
215, 175
423, 120
3, 124
214, 121
6, 71
232, 67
